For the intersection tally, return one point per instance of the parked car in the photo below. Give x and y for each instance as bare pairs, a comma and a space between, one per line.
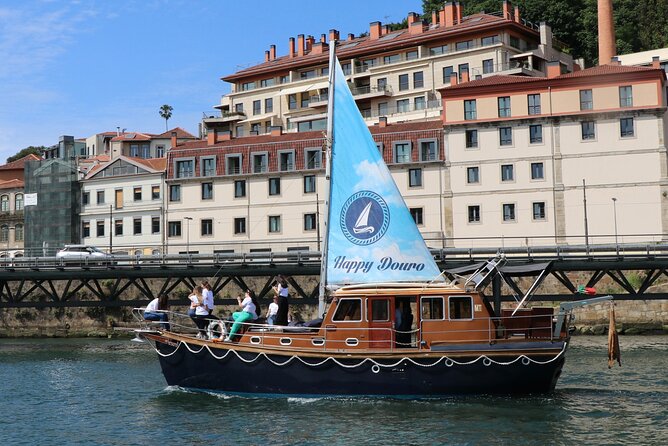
81, 252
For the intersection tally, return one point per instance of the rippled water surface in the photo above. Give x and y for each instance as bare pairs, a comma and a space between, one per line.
111, 392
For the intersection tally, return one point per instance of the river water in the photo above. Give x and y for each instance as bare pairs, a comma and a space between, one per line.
111, 392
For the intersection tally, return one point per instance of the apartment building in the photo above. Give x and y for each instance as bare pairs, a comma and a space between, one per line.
525, 153
266, 192
122, 206
12, 204
392, 74
147, 145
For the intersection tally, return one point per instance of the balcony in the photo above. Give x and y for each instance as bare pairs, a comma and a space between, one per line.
226, 116
369, 92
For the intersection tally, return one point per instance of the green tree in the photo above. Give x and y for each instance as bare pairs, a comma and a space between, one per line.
166, 113
37, 150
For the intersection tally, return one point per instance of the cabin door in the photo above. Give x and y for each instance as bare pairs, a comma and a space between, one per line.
380, 324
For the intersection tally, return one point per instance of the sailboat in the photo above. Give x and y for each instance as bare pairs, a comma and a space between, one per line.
392, 325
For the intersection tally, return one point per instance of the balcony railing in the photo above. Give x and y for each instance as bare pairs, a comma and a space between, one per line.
409, 108
368, 89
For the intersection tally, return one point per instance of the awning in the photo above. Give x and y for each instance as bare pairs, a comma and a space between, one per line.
303, 88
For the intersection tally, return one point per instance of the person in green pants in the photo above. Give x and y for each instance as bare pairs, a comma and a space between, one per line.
247, 313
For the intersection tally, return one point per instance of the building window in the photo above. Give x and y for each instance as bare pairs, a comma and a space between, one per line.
136, 193
174, 229
134, 150
474, 214
239, 108
286, 161
505, 136
240, 225
292, 101
100, 197
416, 213
155, 225
403, 106
428, 150
382, 109
447, 72
175, 192
4, 203
136, 226
155, 192
537, 171
274, 186
504, 106
586, 100
99, 229
233, 164
239, 130
403, 82
488, 66
462, 68
392, 58
534, 104
539, 211
309, 184
419, 103
472, 175
207, 191
18, 233
626, 127
313, 158
411, 55
626, 96
269, 105
85, 199
309, 222
402, 152
507, 173
345, 67
535, 134
206, 227
208, 166
256, 128
471, 138
470, 110
490, 40
418, 79
257, 107
159, 151
260, 162
588, 130
85, 229
509, 212
464, 45
436, 50
274, 223
414, 177
18, 202
305, 99
239, 188
118, 227
185, 169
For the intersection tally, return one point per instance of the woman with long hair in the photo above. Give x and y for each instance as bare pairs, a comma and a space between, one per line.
156, 310
248, 313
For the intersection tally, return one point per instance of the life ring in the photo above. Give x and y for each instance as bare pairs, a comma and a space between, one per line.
216, 330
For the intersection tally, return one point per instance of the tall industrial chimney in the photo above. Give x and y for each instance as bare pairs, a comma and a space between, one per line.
606, 32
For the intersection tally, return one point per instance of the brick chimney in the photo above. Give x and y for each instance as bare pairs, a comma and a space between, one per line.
272, 52
351, 36
459, 11
333, 35
656, 62
291, 47
434, 17
317, 48
615, 61
454, 78
382, 121
211, 137
412, 18
276, 130
323, 38
416, 26
606, 32
448, 16
309, 43
465, 76
507, 8
374, 30
517, 14
553, 69
300, 45
174, 139
266, 56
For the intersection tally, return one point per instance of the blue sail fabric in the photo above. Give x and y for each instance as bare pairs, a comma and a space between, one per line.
372, 237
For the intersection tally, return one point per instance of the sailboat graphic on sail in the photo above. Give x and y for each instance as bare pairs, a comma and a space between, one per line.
393, 326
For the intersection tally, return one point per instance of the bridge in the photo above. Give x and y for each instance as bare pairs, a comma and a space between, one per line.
39, 282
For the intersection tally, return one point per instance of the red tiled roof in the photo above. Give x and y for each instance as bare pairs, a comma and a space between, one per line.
180, 134
133, 136
20, 163
495, 80
12, 184
152, 163
601, 70
364, 45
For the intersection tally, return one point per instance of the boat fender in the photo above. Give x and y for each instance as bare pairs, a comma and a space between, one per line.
487, 362
216, 330
375, 368
449, 362
526, 361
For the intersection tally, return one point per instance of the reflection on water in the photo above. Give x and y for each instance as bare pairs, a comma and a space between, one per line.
112, 392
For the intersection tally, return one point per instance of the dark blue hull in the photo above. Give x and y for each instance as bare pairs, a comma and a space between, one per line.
253, 373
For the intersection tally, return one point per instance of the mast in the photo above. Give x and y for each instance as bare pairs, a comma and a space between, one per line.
328, 172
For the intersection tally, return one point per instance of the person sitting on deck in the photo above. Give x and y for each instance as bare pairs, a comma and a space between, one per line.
248, 313
155, 311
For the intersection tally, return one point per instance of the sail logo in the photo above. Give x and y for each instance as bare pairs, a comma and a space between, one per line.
365, 218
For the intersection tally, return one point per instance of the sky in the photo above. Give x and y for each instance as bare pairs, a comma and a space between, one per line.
81, 67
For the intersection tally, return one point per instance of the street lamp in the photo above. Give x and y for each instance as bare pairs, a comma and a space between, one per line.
614, 210
187, 219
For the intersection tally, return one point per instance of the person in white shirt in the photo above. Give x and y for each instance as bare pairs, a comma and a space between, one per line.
247, 313
208, 296
156, 311
272, 311
198, 310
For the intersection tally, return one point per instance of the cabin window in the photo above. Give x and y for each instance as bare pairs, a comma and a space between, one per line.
460, 307
380, 310
432, 308
348, 310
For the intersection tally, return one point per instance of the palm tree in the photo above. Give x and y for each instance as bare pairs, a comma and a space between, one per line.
166, 113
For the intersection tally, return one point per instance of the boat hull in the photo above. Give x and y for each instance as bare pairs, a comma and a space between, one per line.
194, 366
